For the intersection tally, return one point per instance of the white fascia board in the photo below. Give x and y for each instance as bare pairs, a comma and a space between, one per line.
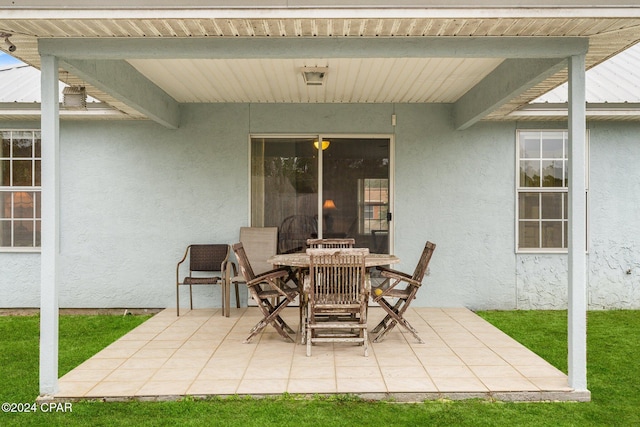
593, 110
166, 12
33, 109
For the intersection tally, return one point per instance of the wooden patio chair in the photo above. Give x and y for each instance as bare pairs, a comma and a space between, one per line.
265, 287
331, 243
389, 291
207, 266
336, 310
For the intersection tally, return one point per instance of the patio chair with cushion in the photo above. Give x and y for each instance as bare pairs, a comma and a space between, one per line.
207, 266
266, 287
336, 310
390, 290
259, 243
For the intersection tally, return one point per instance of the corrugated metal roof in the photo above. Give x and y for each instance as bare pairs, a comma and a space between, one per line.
21, 83
616, 80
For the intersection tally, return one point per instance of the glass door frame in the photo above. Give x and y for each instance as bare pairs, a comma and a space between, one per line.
328, 136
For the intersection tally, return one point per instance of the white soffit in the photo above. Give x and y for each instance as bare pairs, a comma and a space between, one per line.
349, 80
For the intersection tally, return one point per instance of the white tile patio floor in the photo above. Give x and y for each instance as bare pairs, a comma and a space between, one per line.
201, 354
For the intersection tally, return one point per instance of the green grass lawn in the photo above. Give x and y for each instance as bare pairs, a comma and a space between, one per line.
613, 376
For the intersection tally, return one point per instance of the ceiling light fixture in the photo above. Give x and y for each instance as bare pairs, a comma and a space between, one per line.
314, 76
325, 144
10, 46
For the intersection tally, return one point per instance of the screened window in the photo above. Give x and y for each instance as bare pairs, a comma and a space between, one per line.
542, 190
20, 189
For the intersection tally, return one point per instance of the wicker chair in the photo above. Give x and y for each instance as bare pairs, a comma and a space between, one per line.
210, 259
265, 287
390, 291
336, 310
380, 241
331, 243
294, 232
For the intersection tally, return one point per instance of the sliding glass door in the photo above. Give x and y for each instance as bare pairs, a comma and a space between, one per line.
322, 186
284, 189
355, 191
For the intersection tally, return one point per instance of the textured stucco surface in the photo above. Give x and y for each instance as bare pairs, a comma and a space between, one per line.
614, 274
541, 281
19, 280
442, 177
134, 194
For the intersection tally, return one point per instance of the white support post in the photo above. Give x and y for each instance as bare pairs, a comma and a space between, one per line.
577, 318
50, 227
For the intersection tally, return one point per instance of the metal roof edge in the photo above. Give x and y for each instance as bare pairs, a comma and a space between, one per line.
621, 110
326, 12
96, 109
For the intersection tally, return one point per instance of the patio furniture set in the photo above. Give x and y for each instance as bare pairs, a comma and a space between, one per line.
331, 280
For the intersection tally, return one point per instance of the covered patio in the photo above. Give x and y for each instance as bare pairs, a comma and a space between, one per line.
202, 354
198, 83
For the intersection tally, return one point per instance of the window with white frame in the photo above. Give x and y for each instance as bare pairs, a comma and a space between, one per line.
374, 204
20, 191
542, 190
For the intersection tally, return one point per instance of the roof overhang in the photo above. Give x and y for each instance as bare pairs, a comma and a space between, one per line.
487, 58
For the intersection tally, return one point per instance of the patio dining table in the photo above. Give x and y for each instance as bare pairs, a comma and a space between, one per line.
300, 261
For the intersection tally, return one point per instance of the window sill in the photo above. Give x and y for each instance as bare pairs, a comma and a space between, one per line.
20, 250
547, 251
